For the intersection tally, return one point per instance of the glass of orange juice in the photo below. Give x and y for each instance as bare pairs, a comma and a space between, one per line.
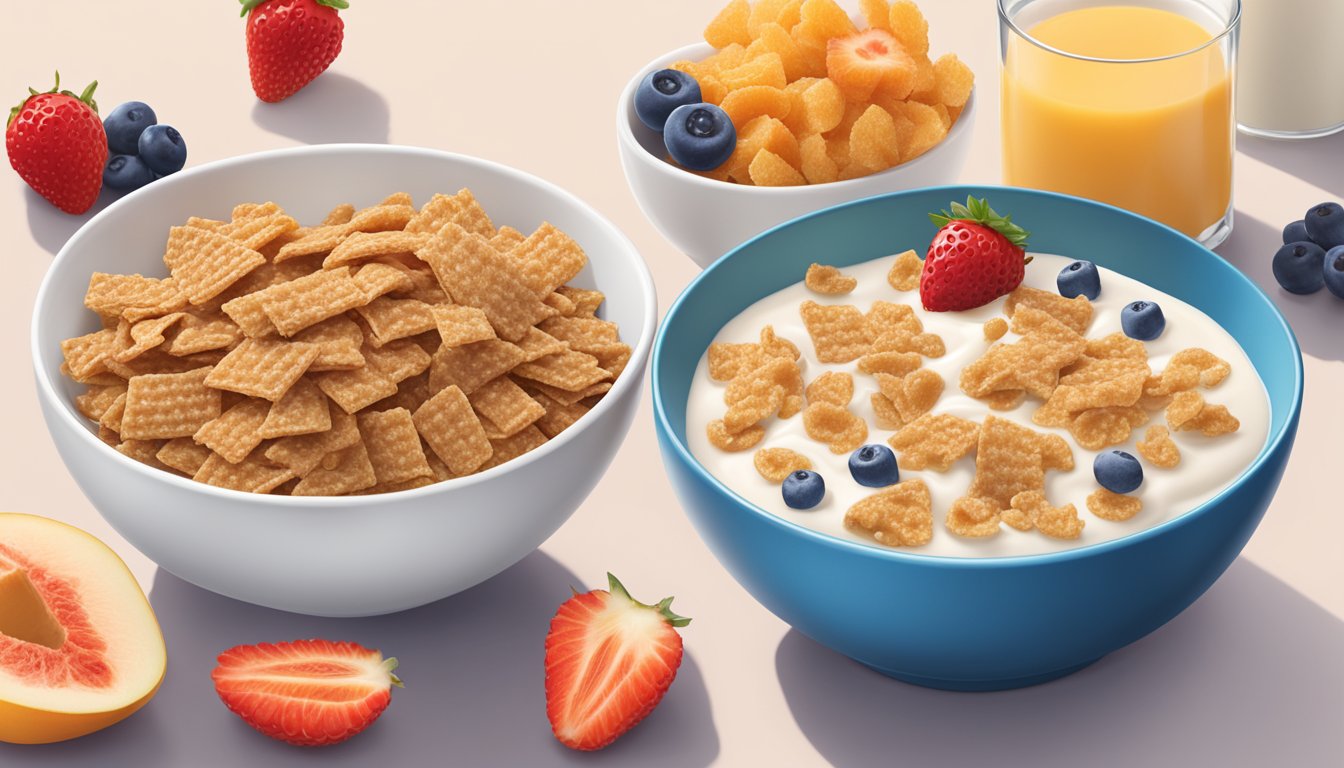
1124, 101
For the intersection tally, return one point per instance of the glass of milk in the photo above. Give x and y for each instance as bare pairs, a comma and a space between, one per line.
1288, 71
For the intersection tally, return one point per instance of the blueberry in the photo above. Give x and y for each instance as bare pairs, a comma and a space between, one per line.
803, 489
162, 149
1117, 471
1334, 270
1079, 278
1325, 224
1295, 232
699, 136
1297, 267
124, 125
660, 93
126, 172
1142, 320
874, 466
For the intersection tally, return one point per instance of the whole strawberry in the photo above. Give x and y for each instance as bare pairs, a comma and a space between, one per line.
290, 43
56, 142
976, 257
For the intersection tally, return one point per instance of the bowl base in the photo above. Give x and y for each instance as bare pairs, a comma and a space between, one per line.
981, 686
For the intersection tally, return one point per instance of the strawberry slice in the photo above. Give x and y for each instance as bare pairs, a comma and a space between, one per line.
975, 257
310, 693
609, 660
872, 60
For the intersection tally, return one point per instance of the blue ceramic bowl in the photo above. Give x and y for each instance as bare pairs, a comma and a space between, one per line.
975, 624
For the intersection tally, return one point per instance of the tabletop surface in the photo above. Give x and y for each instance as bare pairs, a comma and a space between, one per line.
532, 84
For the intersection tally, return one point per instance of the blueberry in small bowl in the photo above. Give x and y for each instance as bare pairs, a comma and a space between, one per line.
699, 136
162, 148
125, 123
661, 92
1298, 267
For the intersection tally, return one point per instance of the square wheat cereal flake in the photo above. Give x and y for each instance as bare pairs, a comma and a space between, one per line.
302, 411
392, 319
263, 368
547, 259
364, 246
393, 445
460, 325
204, 263
357, 389
346, 471
506, 405
471, 365
586, 301
477, 275
379, 279
112, 295
558, 416
87, 355
567, 370
309, 300
509, 448
252, 475
449, 425
234, 433
184, 455
398, 360
167, 405
302, 453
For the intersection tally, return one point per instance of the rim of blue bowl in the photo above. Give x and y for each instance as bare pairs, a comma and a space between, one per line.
956, 191
640, 350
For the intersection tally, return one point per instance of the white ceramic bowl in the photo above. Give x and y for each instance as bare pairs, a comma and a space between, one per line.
352, 556
705, 218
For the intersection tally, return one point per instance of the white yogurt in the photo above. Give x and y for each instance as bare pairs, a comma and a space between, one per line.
1208, 465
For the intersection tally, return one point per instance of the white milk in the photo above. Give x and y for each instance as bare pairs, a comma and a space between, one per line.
1290, 67
1208, 464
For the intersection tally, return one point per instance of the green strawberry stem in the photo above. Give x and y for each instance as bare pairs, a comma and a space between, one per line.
86, 97
390, 664
339, 5
664, 607
978, 211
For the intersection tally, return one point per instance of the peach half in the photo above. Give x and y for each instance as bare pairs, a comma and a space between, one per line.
80, 648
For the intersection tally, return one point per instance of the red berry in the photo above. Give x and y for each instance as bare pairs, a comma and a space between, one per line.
976, 257
56, 143
290, 43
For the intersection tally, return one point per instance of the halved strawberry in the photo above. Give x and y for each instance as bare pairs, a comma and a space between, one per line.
870, 61
975, 257
609, 660
309, 693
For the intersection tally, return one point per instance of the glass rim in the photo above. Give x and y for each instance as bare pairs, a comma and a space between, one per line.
1227, 30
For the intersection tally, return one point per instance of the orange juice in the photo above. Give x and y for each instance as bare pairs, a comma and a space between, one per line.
1154, 137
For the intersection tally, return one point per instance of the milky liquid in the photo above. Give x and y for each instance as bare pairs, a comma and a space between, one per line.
1289, 70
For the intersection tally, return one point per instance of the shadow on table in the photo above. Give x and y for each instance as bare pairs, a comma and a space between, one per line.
1249, 675
474, 688
1316, 319
1317, 161
332, 109
51, 226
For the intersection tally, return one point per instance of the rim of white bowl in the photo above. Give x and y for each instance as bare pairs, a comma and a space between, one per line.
625, 134
640, 350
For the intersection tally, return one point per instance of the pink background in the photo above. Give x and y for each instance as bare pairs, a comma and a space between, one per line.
1252, 674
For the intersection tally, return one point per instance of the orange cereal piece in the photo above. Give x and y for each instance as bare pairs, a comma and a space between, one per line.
167, 405
775, 39
954, 80
1112, 506
763, 133
722, 439
1212, 369
746, 104
820, 21
817, 108
935, 441
1157, 448
973, 518
839, 333
1055, 522
905, 271
908, 24
828, 280
730, 25
835, 387
763, 13
995, 328
770, 170
899, 516
1184, 408
927, 129
877, 13
775, 464
873, 143
817, 166
835, 426
766, 69
1076, 313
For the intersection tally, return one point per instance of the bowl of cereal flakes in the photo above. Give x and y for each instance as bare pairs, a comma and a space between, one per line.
342, 380
823, 108
981, 497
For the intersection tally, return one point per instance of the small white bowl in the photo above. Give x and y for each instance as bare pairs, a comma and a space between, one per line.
705, 218
347, 556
